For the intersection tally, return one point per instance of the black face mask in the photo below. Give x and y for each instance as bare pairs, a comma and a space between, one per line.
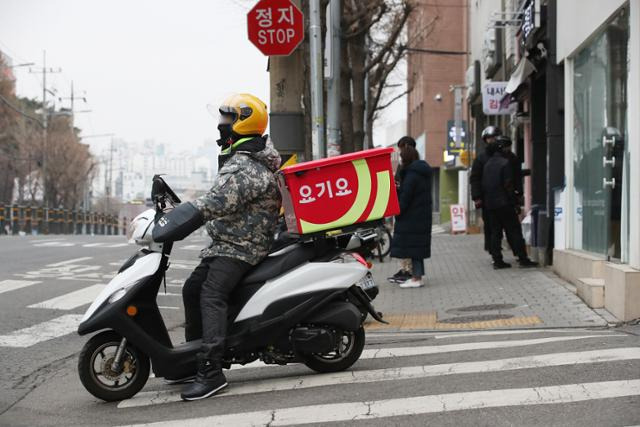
225, 134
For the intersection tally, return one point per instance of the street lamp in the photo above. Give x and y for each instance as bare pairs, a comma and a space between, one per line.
26, 64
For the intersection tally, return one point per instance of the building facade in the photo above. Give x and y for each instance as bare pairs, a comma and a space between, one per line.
598, 232
437, 35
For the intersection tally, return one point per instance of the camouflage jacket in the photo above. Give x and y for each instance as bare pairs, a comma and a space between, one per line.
242, 207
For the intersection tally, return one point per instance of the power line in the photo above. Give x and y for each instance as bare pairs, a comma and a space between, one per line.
436, 51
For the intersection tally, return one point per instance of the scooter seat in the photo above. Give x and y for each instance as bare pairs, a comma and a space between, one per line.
274, 266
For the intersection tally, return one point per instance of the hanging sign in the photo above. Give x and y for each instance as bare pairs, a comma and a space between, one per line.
492, 94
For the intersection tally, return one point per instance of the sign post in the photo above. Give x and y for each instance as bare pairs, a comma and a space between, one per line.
275, 27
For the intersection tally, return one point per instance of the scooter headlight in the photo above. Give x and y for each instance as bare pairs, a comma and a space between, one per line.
117, 295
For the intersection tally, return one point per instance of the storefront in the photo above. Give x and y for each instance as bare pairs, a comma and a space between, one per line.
598, 216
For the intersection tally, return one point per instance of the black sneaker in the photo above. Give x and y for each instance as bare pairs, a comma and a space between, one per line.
499, 265
399, 277
209, 381
183, 380
527, 263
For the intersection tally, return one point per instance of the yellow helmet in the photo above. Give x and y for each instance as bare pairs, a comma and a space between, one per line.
248, 114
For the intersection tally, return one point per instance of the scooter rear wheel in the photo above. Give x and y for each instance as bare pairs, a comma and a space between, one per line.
95, 368
350, 349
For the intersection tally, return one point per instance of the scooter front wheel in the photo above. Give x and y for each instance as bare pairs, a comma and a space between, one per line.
95, 367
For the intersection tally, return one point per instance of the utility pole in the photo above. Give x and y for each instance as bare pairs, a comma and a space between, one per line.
109, 176
45, 116
72, 98
317, 110
333, 82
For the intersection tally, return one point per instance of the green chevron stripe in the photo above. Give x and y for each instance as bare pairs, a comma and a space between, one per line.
382, 195
358, 207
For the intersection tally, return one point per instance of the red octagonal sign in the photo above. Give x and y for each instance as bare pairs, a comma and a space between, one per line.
276, 27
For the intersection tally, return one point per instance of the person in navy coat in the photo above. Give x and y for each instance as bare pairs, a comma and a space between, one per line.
412, 230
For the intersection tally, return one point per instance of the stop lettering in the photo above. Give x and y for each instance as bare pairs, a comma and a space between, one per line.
275, 27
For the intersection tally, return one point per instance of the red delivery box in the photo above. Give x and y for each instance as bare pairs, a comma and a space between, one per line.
339, 191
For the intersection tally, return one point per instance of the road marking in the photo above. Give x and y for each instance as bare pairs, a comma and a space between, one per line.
42, 332
69, 261
93, 245
54, 244
401, 373
418, 405
438, 335
72, 299
484, 345
168, 307
12, 285
117, 245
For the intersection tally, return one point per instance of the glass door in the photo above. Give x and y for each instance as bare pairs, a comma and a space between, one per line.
600, 109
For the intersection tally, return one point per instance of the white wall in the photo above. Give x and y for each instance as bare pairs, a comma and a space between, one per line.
479, 16
579, 19
633, 112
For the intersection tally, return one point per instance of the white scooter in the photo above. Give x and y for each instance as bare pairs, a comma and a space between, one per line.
306, 303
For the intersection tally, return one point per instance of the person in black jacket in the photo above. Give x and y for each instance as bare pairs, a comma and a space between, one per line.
412, 231
499, 202
516, 170
489, 136
404, 273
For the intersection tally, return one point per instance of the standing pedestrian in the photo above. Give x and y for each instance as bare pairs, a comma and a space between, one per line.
516, 170
489, 136
499, 201
412, 231
404, 273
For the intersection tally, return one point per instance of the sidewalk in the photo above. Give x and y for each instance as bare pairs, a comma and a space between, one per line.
463, 291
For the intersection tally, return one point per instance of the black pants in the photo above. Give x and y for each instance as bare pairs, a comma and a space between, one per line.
505, 219
206, 295
487, 230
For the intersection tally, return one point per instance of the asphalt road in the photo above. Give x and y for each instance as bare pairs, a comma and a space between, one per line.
581, 377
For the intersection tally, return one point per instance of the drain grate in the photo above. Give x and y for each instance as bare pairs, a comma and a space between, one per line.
476, 318
485, 307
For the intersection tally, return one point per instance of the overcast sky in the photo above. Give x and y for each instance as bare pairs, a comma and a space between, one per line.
148, 68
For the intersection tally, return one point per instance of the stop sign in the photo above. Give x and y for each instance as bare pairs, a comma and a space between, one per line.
276, 27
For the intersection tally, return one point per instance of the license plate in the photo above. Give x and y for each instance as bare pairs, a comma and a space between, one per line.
366, 282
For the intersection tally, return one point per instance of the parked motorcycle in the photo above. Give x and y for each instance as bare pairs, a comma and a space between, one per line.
306, 302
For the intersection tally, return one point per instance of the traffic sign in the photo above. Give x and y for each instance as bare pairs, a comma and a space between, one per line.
275, 27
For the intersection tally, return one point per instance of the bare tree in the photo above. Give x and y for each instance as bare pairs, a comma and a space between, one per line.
374, 43
69, 164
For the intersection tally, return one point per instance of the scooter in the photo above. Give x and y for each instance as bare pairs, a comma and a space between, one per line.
306, 302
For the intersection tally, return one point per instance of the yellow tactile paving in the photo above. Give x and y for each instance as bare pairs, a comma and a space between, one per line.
430, 321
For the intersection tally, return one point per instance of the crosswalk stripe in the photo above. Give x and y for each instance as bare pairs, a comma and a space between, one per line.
12, 285
401, 373
336, 412
41, 332
72, 299
69, 261
440, 335
484, 345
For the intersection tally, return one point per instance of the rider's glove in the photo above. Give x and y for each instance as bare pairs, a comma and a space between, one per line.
177, 223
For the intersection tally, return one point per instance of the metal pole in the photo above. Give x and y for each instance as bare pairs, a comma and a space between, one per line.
45, 200
333, 84
317, 114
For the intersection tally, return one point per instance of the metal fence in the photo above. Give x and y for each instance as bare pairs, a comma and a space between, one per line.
15, 219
